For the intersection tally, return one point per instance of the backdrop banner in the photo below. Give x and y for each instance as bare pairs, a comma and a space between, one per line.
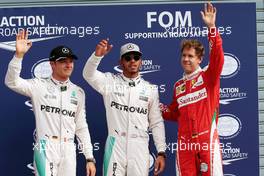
158, 29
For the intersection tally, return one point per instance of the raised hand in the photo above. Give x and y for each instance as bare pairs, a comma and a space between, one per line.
102, 48
22, 43
209, 15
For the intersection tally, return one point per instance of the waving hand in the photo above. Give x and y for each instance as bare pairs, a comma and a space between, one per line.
22, 43
209, 15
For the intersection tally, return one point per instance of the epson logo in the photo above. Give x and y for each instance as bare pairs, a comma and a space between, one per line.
229, 126
41, 69
168, 19
231, 66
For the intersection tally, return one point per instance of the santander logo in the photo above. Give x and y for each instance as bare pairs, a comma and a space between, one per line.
192, 98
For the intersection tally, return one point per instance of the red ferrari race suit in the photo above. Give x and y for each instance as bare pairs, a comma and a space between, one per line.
195, 107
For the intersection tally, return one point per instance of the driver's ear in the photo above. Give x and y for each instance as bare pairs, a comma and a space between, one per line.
52, 64
201, 59
121, 63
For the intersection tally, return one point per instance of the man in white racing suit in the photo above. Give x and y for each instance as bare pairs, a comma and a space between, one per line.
59, 108
132, 109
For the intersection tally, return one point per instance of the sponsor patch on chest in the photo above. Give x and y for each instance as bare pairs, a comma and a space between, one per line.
50, 96
192, 97
119, 94
180, 89
197, 82
143, 98
75, 102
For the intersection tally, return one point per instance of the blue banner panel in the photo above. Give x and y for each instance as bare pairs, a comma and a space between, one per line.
158, 29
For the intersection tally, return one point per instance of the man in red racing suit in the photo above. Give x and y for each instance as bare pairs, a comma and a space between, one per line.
195, 105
